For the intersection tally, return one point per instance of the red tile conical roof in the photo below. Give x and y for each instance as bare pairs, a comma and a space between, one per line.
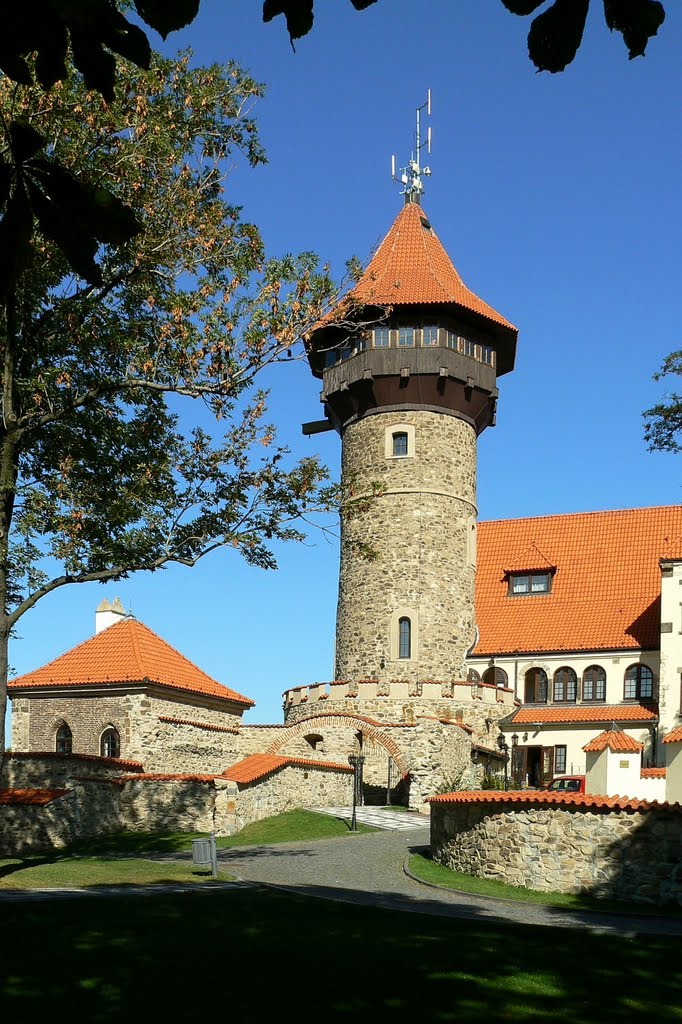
127, 652
412, 267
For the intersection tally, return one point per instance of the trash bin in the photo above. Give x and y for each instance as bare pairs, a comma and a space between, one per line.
201, 853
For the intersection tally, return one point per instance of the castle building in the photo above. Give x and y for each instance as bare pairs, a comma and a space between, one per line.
580, 615
409, 367
456, 645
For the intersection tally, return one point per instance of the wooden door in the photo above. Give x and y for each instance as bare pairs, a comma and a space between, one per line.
547, 765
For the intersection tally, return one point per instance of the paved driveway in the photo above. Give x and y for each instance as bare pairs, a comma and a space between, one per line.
367, 868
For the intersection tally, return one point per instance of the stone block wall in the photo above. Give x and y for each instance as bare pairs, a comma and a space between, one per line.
422, 531
627, 850
290, 787
104, 806
141, 719
53, 771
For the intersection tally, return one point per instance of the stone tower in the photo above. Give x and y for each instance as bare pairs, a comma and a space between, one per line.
409, 363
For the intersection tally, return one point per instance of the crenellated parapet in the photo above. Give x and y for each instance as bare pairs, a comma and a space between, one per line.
400, 701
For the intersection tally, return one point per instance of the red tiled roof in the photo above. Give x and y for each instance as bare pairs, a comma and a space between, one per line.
605, 592
411, 267
115, 762
127, 652
614, 740
674, 736
168, 777
257, 766
29, 797
583, 713
652, 773
540, 796
208, 726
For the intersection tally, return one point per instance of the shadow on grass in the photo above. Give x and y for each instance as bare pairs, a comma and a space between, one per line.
157, 955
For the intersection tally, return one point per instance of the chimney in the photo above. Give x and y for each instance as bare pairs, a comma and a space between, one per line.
108, 613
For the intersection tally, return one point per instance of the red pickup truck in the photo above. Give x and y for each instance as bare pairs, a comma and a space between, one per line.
567, 784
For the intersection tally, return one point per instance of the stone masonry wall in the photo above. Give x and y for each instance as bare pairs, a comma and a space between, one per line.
419, 529
609, 852
105, 806
480, 713
293, 786
161, 746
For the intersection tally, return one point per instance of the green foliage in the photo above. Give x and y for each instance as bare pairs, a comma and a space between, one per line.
299, 14
555, 34
103, 473
492, 780
663, 422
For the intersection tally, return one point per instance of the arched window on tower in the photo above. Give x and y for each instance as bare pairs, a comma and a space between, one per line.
110, 743
404, 638
400, 443
64, 739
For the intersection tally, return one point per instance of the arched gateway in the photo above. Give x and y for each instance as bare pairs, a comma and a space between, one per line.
321, 724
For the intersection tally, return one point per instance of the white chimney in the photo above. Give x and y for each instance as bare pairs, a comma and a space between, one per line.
108, 613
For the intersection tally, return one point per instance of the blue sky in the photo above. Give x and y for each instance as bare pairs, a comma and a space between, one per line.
558, 200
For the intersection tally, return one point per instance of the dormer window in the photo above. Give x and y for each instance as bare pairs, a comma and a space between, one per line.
521, 584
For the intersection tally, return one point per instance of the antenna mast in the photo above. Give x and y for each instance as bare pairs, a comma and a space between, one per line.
411, 175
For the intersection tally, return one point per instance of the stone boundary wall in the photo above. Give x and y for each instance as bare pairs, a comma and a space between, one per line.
619, 849
290, 787
99, 807
39, 770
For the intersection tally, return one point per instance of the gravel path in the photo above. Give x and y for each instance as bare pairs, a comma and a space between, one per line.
368, 869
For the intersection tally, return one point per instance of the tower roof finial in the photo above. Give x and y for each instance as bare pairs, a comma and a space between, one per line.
411, 175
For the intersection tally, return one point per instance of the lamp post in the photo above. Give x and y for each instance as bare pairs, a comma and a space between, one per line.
504, 747
515, 759
356, 761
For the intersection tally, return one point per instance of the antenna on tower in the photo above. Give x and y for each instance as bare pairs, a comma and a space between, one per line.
411, 176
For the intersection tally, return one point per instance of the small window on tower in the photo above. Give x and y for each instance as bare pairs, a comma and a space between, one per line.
404, 638
400, 443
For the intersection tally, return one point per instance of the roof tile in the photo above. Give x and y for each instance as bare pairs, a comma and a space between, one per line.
412, 267
127, 652
605, 592
583, 713
674, 736
615, 740
540, 796
257, 766
29, 797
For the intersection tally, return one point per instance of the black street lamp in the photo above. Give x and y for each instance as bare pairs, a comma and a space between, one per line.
504, 747
356, 761
515, 760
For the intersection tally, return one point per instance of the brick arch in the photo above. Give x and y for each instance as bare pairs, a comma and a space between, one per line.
339, 719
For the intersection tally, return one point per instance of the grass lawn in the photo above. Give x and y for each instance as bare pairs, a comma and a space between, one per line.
119, 859
256, 955
424, 868
79, 872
